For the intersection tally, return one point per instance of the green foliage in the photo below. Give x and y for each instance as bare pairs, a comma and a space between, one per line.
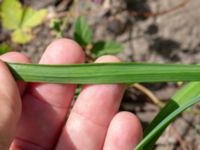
82, 32
107, 73
147, 143
11, 13
21, 36
106, 47
77, 91
4, 48
83, 35
112, 73
55, 25
20, 20
184, 98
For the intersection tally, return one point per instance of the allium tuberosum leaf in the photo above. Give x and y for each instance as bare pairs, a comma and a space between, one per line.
102, 73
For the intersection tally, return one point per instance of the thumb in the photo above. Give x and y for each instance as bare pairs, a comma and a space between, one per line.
10, 107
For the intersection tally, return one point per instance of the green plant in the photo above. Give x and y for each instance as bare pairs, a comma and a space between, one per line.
84, 36
109, 73
184, 98
4, 48
58, 26
123, 73
20, 20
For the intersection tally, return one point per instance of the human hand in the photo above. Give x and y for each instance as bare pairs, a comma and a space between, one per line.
33, 116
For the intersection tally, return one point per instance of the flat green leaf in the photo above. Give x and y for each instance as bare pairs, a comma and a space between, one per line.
82, 31
106, 47
32, 18
109, 73
21, 37
100, 73
181, 97
159, 128
4, 48
11, 12
20, 19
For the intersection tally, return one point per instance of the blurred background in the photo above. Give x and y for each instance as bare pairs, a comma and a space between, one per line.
159, 31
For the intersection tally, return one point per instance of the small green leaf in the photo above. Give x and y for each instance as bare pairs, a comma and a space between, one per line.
11, 13
20, 19
106, 47
56, 26
82, 31
21, 37
4, 48
32, 18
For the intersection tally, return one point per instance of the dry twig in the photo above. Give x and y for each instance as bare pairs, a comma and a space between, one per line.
150, 94
182, 142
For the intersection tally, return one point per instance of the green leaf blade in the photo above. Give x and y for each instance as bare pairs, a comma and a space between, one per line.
106, 73
106, 47
32, 18
20, 36
165, 122
20, 19
183, 96
4, 48
11, 12
82, 32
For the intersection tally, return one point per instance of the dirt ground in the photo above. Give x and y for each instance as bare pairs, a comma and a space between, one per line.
172, 36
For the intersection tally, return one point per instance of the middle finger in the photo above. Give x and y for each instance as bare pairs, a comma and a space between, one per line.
89, 119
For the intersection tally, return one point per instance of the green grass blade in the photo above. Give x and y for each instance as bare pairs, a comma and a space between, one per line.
105, 73
164, 123
184, 95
